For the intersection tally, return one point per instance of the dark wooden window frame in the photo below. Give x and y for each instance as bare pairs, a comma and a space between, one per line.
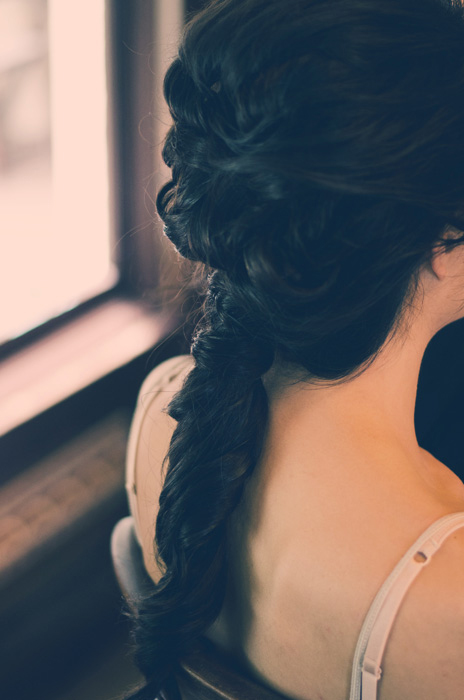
57, 375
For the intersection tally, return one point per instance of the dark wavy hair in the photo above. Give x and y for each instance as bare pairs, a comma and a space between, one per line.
317, 156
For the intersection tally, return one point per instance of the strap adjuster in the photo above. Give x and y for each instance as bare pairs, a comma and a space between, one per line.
372, 668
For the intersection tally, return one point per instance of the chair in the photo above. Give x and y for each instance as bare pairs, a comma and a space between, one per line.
203, 675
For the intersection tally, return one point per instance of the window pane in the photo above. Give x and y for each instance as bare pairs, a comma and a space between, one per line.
55, 244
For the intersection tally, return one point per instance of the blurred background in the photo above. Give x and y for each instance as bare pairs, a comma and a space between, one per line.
91, 299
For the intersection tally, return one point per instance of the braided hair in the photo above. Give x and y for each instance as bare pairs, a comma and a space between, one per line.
317, 156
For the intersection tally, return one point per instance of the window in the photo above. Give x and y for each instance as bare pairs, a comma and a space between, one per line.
56, 250
89, 278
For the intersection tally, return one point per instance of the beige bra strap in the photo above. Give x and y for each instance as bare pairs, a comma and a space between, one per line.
372, 640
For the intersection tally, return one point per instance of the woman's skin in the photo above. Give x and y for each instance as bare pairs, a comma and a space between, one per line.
341, 491
378, 407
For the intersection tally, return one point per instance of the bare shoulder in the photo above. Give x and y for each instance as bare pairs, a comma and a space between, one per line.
424, 657
154, 437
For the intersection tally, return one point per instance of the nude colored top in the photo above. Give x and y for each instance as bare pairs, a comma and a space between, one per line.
372, 640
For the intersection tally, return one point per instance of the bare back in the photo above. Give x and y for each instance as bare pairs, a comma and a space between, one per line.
313, 539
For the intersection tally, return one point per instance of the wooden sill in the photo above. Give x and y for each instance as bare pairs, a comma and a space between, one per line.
40, 507
75, 356
59, 600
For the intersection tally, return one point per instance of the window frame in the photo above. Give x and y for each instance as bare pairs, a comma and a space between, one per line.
145, 262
